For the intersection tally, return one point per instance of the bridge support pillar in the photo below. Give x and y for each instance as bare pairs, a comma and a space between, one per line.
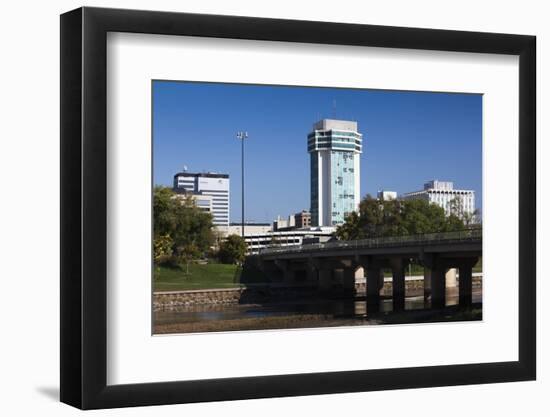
348, 281
288, 276
325, 279
427, 284
438, 286
270, 270
398, 283
288, 273
311, 275
375, 275
465, 282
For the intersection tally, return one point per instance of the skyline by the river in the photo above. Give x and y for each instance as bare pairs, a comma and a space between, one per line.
409, 138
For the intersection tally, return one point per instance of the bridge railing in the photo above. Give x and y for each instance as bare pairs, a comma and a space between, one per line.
380, 242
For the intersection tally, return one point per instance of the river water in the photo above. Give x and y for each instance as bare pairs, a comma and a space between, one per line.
331, 309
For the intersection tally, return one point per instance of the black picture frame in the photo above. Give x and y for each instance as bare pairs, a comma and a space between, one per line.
84, 207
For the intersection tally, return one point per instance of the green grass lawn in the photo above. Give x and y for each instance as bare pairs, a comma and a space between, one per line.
214, 276
199, 277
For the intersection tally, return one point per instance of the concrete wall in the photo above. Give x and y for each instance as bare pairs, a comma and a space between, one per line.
169, 299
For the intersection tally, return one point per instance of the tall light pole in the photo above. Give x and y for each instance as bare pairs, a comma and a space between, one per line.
242, 136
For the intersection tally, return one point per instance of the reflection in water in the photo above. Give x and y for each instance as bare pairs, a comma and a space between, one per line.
337, 309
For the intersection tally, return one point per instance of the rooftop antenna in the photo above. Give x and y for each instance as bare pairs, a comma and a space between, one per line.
185, 168
334, 109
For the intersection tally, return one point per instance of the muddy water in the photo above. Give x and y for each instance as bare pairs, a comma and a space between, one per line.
337, 309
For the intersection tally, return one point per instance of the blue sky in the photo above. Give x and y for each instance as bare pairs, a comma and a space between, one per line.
408, 139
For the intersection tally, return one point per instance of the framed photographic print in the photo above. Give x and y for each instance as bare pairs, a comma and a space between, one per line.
257, 208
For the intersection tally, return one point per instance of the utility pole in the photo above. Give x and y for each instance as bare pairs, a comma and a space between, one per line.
242, 136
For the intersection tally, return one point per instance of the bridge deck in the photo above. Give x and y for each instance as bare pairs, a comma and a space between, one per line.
456, 242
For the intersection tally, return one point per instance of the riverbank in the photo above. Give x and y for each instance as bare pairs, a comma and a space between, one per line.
261, 323
295, 321
162, 300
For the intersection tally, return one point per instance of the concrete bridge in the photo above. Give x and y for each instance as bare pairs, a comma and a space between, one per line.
333, 266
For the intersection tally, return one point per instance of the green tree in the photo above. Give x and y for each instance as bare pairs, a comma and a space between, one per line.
232, 250
165, 207
162, 247
377, 218
189, 228
186, 253
351, 229
419, 217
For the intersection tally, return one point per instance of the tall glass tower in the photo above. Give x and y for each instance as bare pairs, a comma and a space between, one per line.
334, 147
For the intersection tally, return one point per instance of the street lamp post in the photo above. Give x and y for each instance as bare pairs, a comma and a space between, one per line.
242, 136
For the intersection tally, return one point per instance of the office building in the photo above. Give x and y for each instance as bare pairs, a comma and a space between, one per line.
249, 228
281, 223
334, 147
302, 219
257, 241
384, 195
203, 202
208, 184
443, 193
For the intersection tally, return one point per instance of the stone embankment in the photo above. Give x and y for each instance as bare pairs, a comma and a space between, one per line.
226, 296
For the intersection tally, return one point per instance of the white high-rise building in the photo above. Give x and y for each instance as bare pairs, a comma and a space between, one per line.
443, 193
208, 184
385, 195
204, 202
334, 147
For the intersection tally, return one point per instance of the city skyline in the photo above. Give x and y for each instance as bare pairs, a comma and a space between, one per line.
409, 139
